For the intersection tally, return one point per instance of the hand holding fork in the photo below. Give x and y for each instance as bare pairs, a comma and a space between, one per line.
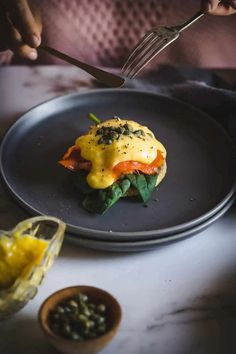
158, 38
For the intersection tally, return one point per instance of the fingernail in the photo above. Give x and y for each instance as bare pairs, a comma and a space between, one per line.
35, 40
33, 55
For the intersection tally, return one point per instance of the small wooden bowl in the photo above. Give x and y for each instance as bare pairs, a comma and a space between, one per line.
89, 346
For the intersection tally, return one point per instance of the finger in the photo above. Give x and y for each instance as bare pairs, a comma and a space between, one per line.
26, 52
209, 5
4, 33
23, 19
18, 46
223, 9
232, 3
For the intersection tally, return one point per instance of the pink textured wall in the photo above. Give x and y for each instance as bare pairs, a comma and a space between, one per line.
103, 31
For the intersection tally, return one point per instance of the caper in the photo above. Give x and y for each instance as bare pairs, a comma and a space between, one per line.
99, 131
101, 140
126, 132
94, 316
138, 132
78, 319
82, 318
67, 309
75, 336
101, 308
55, 316
86, 312
105, 131
100, 320
130, 128
85, 332
89, 324
60, 309
115, 135
66, 329
73, 304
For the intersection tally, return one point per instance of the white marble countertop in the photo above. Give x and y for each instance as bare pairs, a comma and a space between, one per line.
177, 299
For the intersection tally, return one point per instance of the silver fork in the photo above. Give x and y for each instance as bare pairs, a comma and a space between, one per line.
153, 43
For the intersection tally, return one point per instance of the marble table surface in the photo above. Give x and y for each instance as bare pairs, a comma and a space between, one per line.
176, 299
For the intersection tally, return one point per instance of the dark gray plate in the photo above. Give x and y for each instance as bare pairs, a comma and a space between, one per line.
138, 246
201, 164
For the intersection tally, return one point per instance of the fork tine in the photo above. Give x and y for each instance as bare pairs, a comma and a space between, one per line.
142, 56
139, 47
144, 41
141, 53
145, 60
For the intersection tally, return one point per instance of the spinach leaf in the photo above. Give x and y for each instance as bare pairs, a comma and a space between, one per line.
145, 184
101, 200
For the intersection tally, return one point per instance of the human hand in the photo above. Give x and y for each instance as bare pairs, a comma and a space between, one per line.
223, 8
20, 28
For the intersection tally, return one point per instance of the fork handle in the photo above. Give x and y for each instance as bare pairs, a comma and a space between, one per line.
105, 77
188, 23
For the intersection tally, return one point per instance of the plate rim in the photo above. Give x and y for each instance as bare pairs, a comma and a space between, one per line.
127, 234
152, 243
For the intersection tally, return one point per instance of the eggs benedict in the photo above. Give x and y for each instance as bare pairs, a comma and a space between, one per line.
116, 158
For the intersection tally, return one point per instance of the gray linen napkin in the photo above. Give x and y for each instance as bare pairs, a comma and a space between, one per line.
203, 89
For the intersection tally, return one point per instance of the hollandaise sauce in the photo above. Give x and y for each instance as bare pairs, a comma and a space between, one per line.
18, 255
115, 141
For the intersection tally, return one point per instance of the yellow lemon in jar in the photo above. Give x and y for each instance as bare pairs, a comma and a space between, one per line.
18, 255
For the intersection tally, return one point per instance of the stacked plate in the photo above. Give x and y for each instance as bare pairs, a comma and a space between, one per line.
198, 189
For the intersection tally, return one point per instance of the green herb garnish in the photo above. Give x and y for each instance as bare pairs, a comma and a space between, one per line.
95, 119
